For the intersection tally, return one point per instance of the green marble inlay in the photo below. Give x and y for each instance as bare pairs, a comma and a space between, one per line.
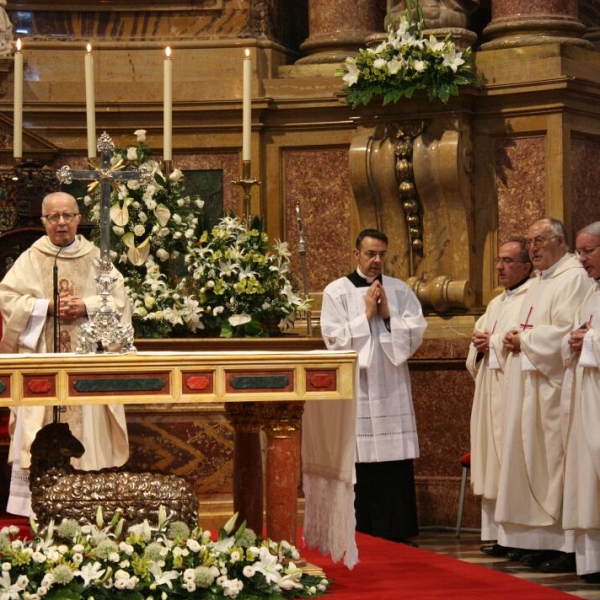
2, 387
134, 384
259, 382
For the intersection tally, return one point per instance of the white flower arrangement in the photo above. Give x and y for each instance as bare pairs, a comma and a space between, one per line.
404, 63
240, 281
149, 562
184, 279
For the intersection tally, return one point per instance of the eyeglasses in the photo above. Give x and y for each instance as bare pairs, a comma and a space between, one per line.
55, 218
507, 260
370, 254
585, 251
538, 241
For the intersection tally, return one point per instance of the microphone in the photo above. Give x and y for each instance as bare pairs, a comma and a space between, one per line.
56, 297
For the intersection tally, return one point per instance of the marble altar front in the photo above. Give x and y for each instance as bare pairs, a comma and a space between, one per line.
260, 389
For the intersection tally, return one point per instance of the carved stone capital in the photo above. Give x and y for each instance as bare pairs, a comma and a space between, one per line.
282, 419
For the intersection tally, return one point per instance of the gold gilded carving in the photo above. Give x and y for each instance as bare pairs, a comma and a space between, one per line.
442, 293
245, 416
282, 420
413, 179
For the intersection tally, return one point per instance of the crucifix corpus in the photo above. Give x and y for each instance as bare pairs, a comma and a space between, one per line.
105, 330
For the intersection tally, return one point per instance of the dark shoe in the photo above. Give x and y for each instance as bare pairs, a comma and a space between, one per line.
517, 553
535, 559
495, 550
591, 577
565, 563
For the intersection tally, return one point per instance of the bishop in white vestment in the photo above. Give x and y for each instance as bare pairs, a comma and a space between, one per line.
489, 363
530, 487
26, 302
581, 407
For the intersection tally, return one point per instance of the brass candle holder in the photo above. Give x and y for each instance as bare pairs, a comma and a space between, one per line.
246, 182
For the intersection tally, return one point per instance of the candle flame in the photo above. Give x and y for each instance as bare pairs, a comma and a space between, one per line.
19, 45
89, 48
247, 52
168, 51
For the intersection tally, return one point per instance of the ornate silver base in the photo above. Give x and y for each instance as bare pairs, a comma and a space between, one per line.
105, 332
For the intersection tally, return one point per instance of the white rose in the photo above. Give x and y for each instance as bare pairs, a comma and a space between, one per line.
132, 153
140, 135
139, 230
118, 230
162, 254
176, 218
176, 175
133, 184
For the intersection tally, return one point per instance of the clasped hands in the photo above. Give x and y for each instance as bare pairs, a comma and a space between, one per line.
576, 337
70, 307
376, 302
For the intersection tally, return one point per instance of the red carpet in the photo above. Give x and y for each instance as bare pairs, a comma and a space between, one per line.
396, 571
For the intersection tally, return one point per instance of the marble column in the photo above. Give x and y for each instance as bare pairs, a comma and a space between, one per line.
247, 463
517, 23
282, 426
338, 29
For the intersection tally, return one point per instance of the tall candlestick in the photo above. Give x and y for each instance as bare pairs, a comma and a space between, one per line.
247, 108
168, 107
90, 103
18, 104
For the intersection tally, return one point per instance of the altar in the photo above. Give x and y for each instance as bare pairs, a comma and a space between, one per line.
260, 389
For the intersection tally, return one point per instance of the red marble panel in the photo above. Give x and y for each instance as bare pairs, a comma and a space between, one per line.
585, 207
520, 183
320, 181
198, 382
319, 381
39, 386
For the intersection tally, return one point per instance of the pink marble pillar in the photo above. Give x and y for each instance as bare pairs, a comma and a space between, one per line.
283, 469
338, 29
524, 23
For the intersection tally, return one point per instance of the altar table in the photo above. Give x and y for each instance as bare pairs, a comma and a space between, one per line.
261, 390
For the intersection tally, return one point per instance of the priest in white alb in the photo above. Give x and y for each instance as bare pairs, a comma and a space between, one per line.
530, 487
28, 308
489, 363
581, 407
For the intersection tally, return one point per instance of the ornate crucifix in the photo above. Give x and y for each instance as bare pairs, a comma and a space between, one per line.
105, 331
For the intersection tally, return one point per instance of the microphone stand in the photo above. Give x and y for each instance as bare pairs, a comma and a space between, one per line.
56, 323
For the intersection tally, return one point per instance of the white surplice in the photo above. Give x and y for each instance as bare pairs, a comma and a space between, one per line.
487, 416
581, 402
530, 487
384, 421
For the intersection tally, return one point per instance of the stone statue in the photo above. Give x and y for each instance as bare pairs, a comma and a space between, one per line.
437, 14
6, 31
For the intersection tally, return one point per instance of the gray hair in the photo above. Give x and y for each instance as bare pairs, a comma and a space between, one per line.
591, 229
52, 195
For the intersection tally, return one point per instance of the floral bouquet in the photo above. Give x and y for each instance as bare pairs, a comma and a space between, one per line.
161, 562
404, 63
151, 227
240, 282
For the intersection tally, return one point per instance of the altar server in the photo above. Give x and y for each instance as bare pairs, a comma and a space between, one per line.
381, 319
27, 305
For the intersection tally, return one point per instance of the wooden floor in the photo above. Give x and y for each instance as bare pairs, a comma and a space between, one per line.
467, 548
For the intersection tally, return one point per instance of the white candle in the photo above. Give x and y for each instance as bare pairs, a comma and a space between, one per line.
18, 104
247, 108
168, 107
90, 103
